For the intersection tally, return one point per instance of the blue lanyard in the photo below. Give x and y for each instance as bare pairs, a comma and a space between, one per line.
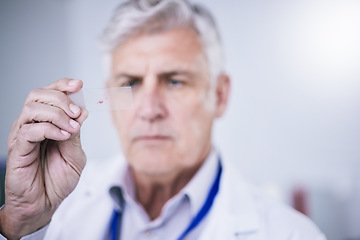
115, 225
116, 216
207, 205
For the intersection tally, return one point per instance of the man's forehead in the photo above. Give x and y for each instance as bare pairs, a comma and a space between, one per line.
177, 50
142, 66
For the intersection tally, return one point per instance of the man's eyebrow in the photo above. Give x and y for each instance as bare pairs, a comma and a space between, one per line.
163, 74
174, 73
126, 75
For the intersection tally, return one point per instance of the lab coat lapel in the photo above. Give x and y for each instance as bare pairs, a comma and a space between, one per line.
234, 214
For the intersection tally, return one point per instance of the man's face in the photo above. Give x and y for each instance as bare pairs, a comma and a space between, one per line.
169, 128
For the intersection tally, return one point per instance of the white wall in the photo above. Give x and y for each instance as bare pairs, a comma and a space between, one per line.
294, 113
32, 51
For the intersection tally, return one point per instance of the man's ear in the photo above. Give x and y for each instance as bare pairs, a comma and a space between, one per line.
223, 86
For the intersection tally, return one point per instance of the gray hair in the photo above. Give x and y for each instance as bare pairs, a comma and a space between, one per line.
136, 17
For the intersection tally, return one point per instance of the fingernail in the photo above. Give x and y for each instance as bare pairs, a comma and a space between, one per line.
73, 123
64, 132
75, 109
73, 82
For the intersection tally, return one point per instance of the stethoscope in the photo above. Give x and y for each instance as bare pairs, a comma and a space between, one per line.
115, 224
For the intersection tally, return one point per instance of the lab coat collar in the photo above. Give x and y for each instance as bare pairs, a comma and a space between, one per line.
234, 205
241, 208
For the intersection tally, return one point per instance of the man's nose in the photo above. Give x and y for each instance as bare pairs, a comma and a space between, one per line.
151, 104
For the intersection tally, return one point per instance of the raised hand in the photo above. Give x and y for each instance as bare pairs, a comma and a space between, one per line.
45, 158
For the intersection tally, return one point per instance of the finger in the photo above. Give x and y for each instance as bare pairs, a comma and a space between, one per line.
54, 98
22, 160
30, 114
37, 112
83, 116
74, 157
31, 134
73, 153
64, 164
75, 137
66, 85
12, 136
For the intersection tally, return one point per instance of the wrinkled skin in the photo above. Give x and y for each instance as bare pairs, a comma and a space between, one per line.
45, 158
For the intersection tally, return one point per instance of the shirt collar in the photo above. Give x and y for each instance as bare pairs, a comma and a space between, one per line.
125, 182
196, 190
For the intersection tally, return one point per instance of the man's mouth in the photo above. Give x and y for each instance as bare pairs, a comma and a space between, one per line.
152, 138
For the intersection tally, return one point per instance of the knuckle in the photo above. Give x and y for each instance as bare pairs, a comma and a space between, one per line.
14, 129
57, 83
23, 131
12, 136
65, 99
51, 130
11, 144
45, 127
27, 108
57, 115
65, 79
28, 114
33, 95
62, 81
78, 139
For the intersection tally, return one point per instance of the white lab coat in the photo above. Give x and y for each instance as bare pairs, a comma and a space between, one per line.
239, 211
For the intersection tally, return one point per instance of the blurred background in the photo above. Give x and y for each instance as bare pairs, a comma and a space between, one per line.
292, 126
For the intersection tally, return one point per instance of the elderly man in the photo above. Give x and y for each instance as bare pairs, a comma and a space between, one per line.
170, 183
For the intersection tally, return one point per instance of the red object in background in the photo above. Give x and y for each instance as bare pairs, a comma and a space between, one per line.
300, 200
100, 101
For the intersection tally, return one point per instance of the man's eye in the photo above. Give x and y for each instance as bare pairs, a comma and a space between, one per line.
132, 83
175, 83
